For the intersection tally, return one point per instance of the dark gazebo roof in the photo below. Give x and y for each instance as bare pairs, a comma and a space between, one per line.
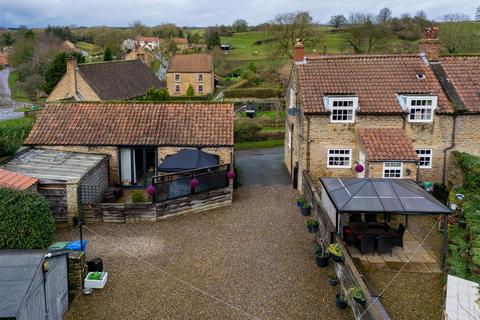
400, 196
188, 159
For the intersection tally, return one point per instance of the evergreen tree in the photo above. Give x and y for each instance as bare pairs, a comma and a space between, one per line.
57, 68
190, 91
107, 55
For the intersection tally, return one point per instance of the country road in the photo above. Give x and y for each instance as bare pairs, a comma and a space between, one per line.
7, 105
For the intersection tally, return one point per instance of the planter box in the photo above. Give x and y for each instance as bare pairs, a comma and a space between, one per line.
96, 284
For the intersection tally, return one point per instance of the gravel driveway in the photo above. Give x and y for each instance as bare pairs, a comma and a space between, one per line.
256, 255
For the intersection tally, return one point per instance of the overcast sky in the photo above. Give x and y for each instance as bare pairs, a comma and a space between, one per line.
39, 13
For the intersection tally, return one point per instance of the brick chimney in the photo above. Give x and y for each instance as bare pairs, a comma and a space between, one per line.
430, 44
299, 51
72, 71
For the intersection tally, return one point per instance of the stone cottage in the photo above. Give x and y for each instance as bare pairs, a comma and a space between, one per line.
191, 69
137, 137
103, 81
392, 116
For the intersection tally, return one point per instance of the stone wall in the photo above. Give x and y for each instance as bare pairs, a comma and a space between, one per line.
190, 78
151, 212
467, 137
66, 89
375, 170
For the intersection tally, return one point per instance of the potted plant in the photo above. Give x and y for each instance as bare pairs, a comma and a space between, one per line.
96, 280
356, 294
341, 301
321, 255
332, 279
305, 209
312, 225
300, 201
336, 253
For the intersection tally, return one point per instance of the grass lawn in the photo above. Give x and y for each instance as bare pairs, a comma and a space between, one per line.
17, 94
259, 144
91, 48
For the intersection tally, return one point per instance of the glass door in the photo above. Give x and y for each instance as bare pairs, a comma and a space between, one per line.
137, 166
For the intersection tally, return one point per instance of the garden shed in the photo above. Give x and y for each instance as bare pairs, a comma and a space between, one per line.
66, 179
33, 285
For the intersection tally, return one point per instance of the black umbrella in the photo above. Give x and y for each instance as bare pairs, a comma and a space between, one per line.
188, 159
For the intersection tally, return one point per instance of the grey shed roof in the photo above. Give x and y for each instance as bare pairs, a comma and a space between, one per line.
401, 196
53, 165
17, 271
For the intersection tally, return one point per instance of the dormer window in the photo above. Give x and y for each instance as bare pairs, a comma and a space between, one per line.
419, 108
342, 108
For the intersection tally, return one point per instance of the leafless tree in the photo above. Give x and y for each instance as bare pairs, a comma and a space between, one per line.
455, 36
285, 28
384, 15
338, 21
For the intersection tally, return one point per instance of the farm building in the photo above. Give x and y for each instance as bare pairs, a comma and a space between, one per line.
66, 179
33, 285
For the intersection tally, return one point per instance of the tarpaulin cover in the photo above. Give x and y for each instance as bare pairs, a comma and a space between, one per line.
402, 196
188, 159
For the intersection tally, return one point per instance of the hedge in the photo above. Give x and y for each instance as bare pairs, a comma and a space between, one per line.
464, 229
252, 93
26, 221
249, 130
13, 133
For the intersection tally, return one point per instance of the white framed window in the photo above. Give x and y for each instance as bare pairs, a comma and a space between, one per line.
176, 77
293, 98
425, 156
393, 170
200, 88
177, 88
200, 77
342, 109
339, 158
421, 108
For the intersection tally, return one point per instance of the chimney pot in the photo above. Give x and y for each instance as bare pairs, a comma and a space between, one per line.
299, 51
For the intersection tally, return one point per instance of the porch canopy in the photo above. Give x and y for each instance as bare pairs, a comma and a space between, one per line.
394, 196
188, 159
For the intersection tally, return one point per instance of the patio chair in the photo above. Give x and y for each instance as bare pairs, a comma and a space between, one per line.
355, 218
398, 236
371, 218
367, 243
385, 244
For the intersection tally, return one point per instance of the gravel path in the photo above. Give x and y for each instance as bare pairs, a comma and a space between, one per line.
255, 255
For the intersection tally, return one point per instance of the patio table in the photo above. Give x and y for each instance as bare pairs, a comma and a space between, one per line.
375, 229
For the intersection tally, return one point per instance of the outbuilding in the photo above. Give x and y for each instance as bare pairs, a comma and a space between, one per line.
33, 285
66, 179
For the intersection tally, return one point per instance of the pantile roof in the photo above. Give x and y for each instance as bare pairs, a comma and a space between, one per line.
387, 144
15, 180
119, 80
375, 79
152, 124
191, 63
464, 74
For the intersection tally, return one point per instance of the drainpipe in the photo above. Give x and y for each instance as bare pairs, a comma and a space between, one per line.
308, 144
445, 152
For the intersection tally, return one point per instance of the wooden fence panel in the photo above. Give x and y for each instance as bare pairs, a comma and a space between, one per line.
113, 212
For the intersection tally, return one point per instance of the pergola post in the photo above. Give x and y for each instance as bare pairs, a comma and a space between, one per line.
445, 240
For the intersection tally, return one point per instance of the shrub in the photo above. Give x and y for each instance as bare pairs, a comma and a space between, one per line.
246, 130
12, 134
190, 91
26, 221
154, 94
138, 196
252, 93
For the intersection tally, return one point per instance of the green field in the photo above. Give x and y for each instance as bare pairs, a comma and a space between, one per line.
91, 48
17, 94
243, 46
